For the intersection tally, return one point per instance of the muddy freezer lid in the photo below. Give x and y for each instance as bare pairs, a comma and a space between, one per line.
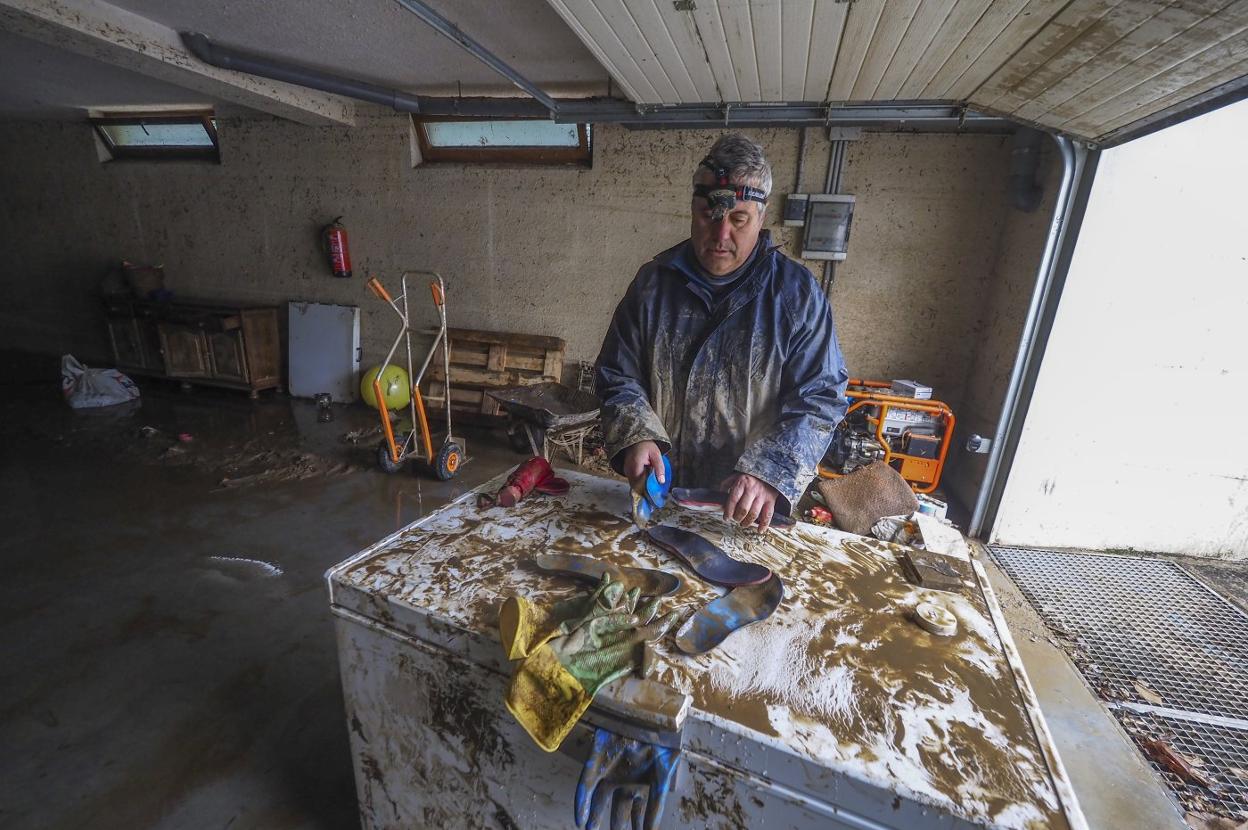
840, 690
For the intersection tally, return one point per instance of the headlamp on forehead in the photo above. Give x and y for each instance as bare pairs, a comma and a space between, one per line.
722, 196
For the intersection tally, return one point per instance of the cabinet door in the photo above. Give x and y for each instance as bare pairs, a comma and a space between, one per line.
123, 334
149, 337
228, 359
185, 350
264, 346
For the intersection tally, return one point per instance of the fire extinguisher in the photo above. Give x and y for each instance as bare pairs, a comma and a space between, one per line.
334, 238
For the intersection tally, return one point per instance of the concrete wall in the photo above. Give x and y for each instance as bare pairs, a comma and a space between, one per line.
1134, 436
526, 249
1000, 326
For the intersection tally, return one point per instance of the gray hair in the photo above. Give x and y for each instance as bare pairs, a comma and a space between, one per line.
743, 159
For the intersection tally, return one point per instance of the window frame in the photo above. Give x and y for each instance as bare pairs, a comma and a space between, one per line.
580, 156
160, 152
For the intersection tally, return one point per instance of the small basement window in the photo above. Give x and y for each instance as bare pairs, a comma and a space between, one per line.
510, 141
159, 135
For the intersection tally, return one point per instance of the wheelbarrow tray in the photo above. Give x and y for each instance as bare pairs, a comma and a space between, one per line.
549, 405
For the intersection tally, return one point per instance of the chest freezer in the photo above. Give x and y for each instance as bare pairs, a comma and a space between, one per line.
838, 711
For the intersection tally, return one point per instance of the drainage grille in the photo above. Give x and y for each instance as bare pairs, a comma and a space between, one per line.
1130, 621
1223, 749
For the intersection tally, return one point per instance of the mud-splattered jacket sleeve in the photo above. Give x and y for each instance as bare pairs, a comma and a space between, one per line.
621, 380
811, 404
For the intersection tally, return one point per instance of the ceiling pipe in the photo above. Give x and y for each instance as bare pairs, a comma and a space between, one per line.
225, 57
448, 29
1078, 171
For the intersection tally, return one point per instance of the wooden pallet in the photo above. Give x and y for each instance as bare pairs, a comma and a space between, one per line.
482, 360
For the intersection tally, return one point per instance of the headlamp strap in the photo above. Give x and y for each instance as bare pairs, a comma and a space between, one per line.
742, 192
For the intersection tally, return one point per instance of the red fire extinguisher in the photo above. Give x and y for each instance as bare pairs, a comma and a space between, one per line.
334, 236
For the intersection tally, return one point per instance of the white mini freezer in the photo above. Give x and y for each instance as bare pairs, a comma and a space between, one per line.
839, 711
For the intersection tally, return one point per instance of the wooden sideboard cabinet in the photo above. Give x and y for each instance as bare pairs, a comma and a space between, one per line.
209, 343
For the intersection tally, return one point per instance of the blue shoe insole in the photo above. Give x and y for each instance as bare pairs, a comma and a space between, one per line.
706, 560
711, 624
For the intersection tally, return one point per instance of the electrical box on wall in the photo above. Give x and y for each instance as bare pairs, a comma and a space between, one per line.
795, 209
828, 220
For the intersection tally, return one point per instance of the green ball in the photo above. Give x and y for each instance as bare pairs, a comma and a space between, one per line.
396, 390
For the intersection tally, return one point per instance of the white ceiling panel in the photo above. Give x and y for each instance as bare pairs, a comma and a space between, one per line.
766, 25
682, 29
709, 28
1197, 69
960, 20
972, 45
739, 32
828, 27
1190, 54
654, 30
1187, 93
1012, 38
1075, 36
1084, 67
915, 43
797, 28
860, 26
585, 20
1148, 34
894, 22
622, 23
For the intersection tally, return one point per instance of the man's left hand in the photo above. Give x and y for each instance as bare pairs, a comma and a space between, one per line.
750, 500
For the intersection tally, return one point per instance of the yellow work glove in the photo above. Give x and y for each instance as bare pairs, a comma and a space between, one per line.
566, 656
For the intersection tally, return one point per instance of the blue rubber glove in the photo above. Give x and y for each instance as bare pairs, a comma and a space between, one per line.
626, 778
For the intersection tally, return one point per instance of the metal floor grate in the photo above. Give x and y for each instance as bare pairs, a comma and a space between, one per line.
1221, 748
1129, 619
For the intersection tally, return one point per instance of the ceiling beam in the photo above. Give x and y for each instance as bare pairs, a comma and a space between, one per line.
121, 38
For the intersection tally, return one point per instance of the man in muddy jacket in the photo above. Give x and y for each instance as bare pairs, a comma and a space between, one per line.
723, 354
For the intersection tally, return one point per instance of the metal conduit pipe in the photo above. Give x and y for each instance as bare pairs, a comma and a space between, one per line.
1078, 167
832, 184
801, 160
225, 57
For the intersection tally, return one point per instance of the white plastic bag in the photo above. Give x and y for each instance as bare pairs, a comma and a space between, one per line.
84, 388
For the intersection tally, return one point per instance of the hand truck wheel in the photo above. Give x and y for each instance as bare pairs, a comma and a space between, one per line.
447, 462
384, 460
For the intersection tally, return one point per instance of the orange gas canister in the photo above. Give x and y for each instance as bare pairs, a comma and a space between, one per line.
337, 248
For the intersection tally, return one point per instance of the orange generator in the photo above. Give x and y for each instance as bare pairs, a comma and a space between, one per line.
910, 434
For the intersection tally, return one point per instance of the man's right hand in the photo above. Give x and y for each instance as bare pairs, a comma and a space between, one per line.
639, 459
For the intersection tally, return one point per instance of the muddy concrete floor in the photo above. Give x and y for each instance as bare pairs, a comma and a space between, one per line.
169, 657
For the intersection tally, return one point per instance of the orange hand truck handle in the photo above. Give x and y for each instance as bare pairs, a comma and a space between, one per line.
380, 290
385, 420
438, 298
424, 420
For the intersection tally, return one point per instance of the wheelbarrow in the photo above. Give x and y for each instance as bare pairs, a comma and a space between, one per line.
396, 450
543, 411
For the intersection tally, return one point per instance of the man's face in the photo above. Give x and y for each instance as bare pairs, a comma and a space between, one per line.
723, 246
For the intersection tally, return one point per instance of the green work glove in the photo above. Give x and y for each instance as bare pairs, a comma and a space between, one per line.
562, 671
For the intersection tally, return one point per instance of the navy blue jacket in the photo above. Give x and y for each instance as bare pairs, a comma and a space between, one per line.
754, 383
